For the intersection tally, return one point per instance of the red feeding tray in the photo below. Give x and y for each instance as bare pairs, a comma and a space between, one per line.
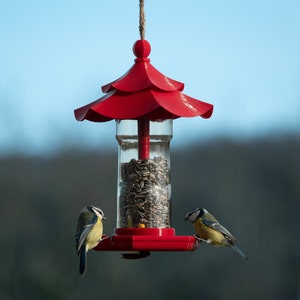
138, 242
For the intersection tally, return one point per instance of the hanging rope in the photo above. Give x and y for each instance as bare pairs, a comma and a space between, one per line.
142, 20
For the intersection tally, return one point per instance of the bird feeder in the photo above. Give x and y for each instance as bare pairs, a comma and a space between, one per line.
144, 103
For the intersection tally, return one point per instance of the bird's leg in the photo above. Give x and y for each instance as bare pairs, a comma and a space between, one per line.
199, 239
105, 238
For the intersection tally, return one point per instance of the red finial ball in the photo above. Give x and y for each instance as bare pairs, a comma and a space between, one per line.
141, 48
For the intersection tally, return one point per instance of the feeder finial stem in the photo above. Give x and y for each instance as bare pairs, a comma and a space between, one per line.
142, 20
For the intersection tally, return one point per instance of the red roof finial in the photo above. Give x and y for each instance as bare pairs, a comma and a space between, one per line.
141, 49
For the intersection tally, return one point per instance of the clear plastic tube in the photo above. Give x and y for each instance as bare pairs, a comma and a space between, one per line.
144, 187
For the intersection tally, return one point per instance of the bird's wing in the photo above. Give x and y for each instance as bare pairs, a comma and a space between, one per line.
84, 231
218, 227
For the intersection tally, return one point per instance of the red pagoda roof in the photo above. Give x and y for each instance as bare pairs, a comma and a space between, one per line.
143, 92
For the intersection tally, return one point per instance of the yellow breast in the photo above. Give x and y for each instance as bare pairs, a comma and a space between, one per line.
95, 235
208, 234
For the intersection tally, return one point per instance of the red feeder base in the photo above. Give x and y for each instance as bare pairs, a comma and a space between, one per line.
140, 241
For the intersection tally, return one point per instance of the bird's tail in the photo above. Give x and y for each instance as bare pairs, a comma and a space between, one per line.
82, 261
239, 251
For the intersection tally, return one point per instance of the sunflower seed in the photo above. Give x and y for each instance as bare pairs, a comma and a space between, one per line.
145, 193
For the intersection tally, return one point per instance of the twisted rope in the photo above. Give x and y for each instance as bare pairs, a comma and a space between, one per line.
142, 20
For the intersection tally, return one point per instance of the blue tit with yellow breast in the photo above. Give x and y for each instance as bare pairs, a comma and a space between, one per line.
89, 233
209, 230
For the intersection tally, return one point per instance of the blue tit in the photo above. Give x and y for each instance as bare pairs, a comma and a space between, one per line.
208, 229
89, 233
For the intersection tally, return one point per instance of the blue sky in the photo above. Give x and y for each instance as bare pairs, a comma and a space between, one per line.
241, 56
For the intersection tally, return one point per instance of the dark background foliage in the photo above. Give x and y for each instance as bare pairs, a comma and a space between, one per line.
252, 187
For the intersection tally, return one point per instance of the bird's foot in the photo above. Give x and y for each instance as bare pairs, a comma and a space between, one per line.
199, 239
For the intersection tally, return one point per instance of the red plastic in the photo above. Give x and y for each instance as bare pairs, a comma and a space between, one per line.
143, 92
146, 231
144, 139
147, 239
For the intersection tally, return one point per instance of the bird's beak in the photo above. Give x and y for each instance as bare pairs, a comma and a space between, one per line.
186, 218
104, 218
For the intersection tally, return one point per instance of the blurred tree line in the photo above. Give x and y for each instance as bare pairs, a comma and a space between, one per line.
252, 187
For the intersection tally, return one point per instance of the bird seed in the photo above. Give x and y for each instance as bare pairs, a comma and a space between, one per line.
145, 193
